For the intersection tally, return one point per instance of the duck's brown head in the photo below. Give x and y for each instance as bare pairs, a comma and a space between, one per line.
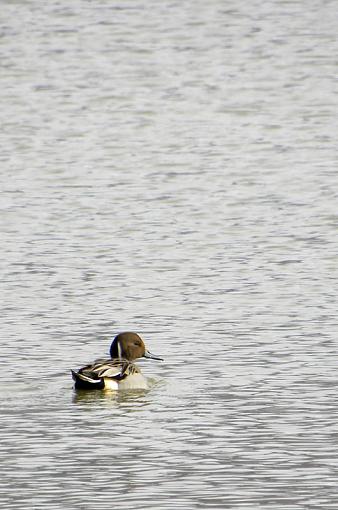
130, 346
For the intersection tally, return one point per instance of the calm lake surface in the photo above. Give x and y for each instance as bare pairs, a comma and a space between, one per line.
170, 168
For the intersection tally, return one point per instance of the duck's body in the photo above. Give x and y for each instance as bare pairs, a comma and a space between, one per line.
110, 374
117, 373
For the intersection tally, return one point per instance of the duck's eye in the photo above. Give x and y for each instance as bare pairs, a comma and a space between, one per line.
138, 344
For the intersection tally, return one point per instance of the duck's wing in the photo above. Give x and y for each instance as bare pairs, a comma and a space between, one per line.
92, 376
112, 368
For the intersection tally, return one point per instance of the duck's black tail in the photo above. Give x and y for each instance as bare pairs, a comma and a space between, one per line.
84, 382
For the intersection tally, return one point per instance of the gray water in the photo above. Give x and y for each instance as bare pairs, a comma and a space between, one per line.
170, 168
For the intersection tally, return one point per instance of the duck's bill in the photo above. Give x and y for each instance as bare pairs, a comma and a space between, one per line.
148, 354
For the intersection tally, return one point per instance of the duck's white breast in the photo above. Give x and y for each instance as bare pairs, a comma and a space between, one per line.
133, 382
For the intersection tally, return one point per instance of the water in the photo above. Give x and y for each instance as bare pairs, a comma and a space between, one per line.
170, 168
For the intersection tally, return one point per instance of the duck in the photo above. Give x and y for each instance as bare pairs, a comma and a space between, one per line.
119, 372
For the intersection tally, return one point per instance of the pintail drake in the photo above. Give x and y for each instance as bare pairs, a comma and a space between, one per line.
119, 372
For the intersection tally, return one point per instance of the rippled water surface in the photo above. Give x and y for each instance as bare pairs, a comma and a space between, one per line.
170, 168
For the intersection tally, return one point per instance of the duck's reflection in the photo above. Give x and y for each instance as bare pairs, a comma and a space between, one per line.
109, 397
127, 398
